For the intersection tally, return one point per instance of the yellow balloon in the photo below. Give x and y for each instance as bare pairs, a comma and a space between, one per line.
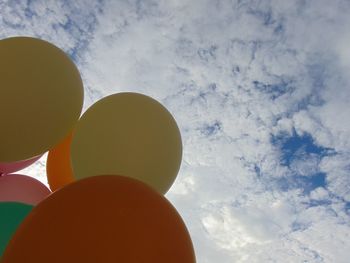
128, 134
41, 95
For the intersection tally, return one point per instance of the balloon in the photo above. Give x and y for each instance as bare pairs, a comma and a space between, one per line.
131, 134
102, 219
11, 215
41, 97
22, 189
58, 165
6, 168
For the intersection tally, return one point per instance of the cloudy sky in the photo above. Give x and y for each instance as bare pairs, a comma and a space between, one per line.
260, 90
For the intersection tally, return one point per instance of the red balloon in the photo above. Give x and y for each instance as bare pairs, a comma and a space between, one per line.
22, 189
7, 168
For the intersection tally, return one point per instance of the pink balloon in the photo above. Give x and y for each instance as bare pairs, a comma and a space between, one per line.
22, 189
6, 168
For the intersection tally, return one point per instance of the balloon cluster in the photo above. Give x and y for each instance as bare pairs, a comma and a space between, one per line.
108, 169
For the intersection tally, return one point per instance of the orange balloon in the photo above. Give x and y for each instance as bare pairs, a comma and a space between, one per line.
102, 219
58, 166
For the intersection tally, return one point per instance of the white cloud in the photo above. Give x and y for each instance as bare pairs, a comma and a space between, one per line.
232, 73
37, 170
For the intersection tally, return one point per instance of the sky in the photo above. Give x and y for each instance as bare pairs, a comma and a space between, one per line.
260, 91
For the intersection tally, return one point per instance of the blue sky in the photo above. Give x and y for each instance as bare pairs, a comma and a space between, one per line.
296, 149
260, 91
